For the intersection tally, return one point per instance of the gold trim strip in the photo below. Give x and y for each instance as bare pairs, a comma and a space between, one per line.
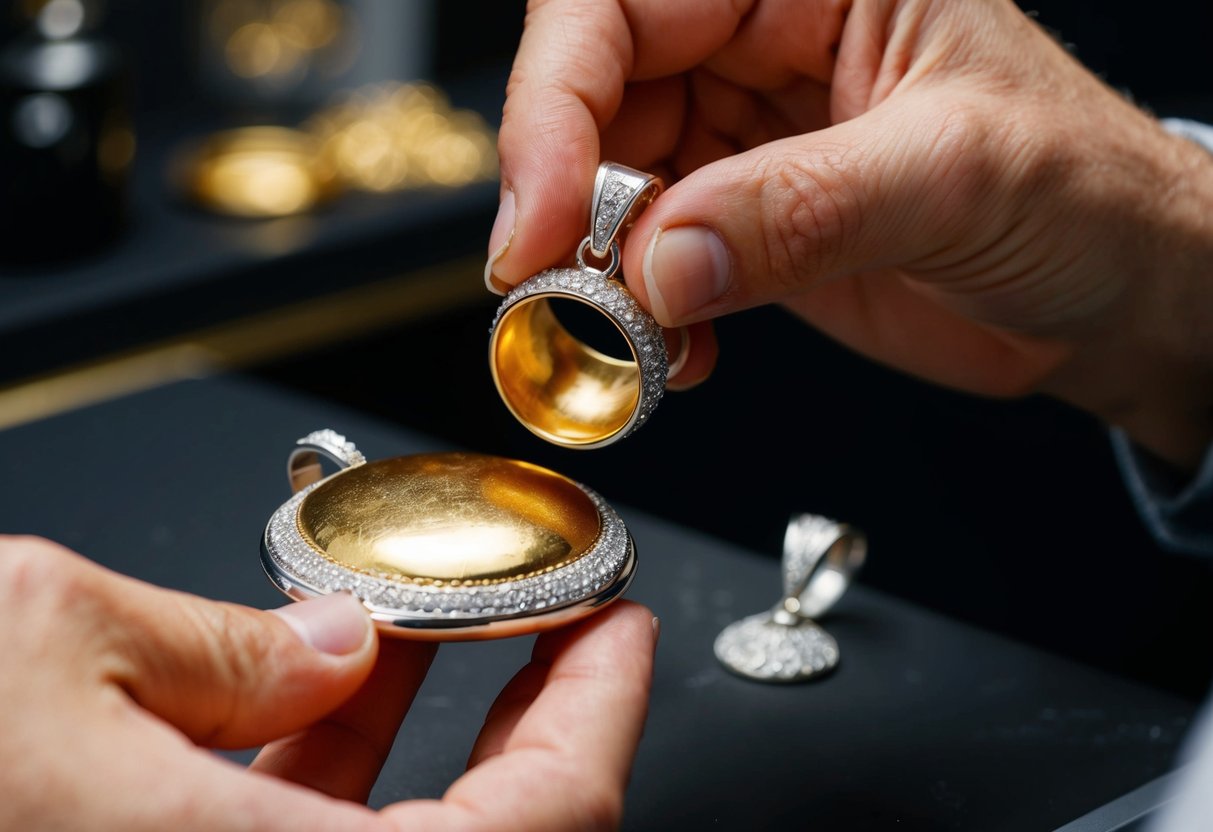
245, 341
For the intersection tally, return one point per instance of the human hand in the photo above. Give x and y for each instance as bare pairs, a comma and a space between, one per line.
112, 688
935, 183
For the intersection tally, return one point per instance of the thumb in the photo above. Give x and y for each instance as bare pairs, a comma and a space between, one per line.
764, 225
230, 676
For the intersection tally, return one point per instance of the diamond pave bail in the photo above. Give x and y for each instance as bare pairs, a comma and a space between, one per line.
620, 194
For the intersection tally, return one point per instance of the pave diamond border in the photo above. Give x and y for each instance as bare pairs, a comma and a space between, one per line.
292, 563
757, 647
645, 336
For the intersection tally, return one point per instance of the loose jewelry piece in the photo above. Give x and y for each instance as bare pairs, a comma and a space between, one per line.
560, 388
785, 643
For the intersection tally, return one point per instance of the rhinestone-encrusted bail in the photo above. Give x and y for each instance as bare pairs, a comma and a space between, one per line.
620, 194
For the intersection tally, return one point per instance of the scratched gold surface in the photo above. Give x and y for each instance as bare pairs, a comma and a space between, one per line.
450, 518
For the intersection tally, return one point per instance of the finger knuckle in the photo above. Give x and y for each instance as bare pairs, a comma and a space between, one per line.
234, 646
963, 149
234, 653
809, 205
36, 568
982, 145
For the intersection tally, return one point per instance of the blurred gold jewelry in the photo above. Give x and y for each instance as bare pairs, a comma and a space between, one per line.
380, 138
256, 172
389, 137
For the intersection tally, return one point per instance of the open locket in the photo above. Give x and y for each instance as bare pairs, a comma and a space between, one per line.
446, 546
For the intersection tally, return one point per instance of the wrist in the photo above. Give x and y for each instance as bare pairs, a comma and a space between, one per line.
1149, 368
1161, 404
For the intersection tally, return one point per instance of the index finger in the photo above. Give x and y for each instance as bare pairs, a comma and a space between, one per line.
558, 745
573, 64
342, 754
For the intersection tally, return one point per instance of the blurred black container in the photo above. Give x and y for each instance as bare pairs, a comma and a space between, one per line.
66, 144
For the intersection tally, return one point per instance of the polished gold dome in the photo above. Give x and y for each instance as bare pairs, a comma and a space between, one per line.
450, 518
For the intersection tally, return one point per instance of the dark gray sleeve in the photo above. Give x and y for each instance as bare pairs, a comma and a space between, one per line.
1176, 508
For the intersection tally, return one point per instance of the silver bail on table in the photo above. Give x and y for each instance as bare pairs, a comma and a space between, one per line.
620, 194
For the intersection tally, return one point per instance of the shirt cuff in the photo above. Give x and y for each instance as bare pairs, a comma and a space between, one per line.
1194, 131
1176, 508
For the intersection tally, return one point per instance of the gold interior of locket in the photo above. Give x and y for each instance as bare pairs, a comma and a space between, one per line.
451, 519
560, 387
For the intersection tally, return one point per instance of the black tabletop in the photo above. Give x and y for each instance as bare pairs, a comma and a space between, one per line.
927, 723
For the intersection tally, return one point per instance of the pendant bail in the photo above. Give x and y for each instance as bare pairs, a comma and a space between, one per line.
620, 194
820, 557
303, 464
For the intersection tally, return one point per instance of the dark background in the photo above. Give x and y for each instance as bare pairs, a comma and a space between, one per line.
1011, 515
1158, 52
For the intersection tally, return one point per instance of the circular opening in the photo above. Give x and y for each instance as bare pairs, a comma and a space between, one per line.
590, 327
567, 390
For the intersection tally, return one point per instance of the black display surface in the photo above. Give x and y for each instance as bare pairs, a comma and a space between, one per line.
927, 724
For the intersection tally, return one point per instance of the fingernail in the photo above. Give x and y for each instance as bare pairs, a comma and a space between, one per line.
685, 269
499, 243
656, 628
682, 354
336, 624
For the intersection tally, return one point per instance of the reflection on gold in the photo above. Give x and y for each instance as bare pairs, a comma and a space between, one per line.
561, 388
257, 172
450, 519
